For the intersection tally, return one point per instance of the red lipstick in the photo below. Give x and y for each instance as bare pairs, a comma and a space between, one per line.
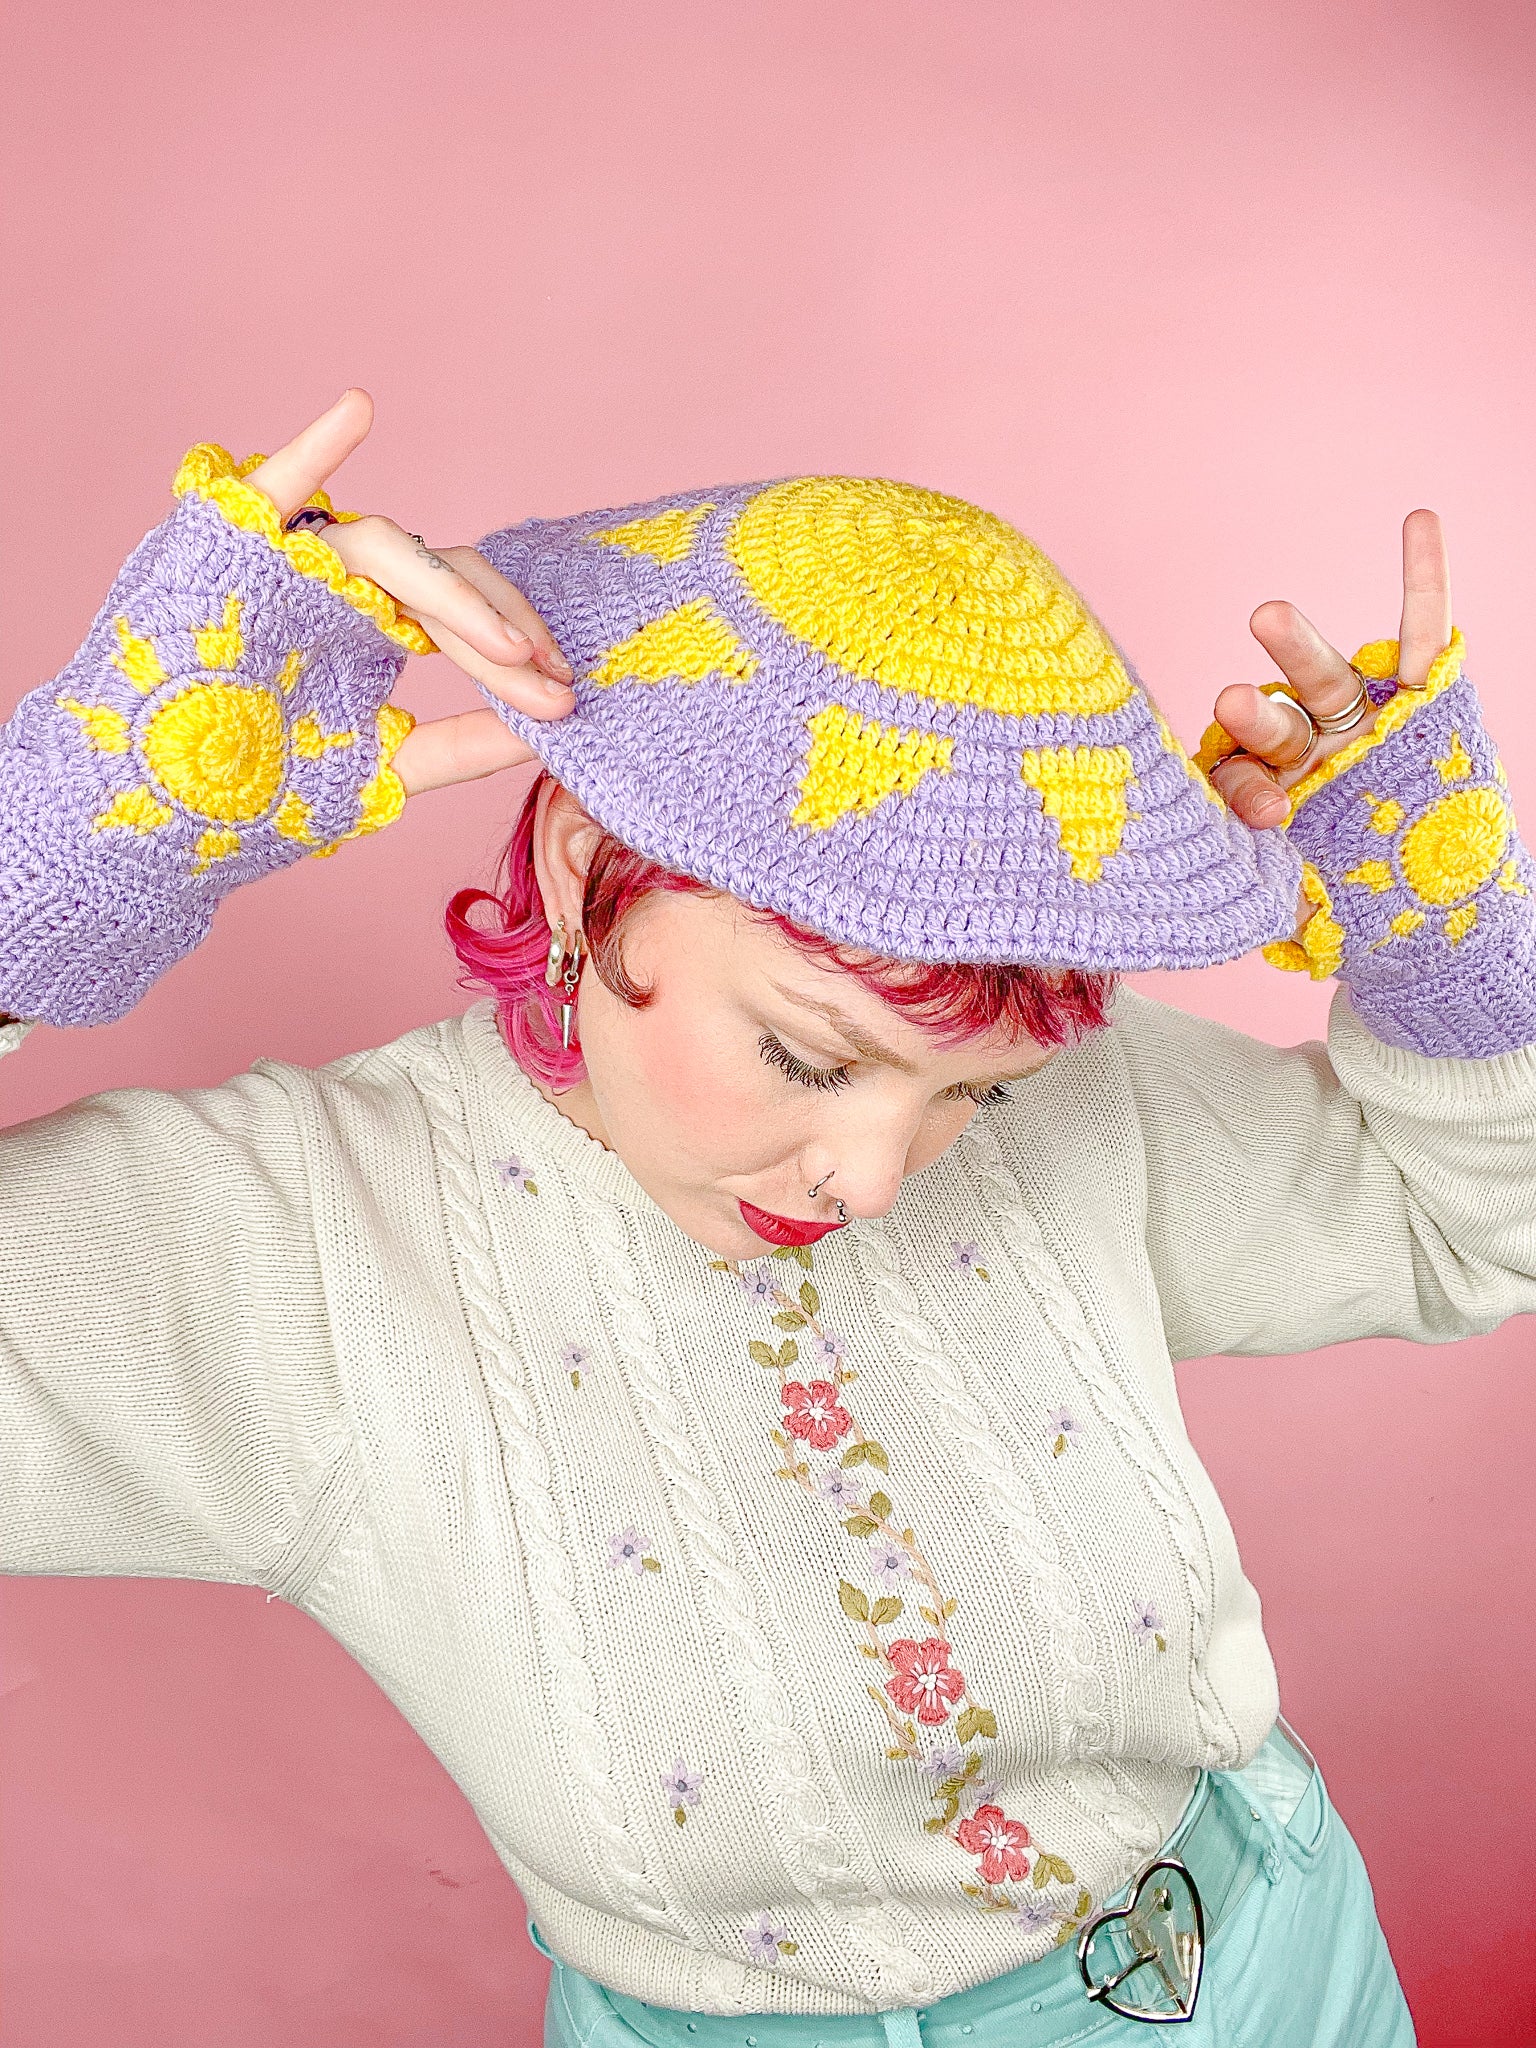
782, 1229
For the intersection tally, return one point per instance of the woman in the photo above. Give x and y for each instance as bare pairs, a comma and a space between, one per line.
738, 1428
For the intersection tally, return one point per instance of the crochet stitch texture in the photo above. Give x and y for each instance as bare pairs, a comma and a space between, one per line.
226, 715
885, 713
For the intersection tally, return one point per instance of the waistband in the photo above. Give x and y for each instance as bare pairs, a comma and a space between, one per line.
1225, 1837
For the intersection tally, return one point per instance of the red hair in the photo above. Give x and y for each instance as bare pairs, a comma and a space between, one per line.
507, 955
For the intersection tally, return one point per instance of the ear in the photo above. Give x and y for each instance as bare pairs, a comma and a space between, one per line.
564, 839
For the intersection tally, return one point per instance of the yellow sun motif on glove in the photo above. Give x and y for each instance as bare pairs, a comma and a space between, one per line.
1442, 859
221, 749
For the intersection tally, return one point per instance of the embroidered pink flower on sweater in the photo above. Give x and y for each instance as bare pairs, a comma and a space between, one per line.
815, 1415
925, 1684
998, 1842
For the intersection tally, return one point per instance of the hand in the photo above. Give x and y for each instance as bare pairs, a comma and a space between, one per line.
479, 620
1275, 746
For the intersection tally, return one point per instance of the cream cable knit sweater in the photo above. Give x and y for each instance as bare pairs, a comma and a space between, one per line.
714, 1636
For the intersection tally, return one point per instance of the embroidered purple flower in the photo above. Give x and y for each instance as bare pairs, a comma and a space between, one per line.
1065, 1429
1148, 1625
630, 1548
887, 1560
825, 1346
573, 1358
682, 1789
1034, 1916
755, 1284
515, 1175
966, 1259
948, 1762
842, 1490
767, 1939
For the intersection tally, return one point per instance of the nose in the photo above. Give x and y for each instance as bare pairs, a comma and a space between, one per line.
871, 1164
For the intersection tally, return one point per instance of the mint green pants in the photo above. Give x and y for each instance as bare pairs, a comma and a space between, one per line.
1301, 1963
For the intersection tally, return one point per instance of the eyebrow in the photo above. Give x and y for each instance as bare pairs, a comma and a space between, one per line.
869, 1048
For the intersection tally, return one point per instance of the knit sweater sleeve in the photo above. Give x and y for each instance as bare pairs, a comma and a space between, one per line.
169, 1404
1301, 1197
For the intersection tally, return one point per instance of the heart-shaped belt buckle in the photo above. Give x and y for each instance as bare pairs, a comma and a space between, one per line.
1143, 1961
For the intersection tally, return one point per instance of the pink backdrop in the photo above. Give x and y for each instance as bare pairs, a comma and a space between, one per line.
1205, 296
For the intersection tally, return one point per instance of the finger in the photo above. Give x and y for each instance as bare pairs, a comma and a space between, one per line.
426, 585
296, 472
1267, 727
1318, 674
462, 748
521, 686
511, 603
1251, 791
1426, 627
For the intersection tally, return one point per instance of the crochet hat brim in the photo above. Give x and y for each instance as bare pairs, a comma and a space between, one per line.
884, 714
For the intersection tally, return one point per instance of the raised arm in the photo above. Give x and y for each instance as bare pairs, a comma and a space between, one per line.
1385, 1185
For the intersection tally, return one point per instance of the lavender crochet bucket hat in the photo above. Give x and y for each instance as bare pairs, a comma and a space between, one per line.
885, 714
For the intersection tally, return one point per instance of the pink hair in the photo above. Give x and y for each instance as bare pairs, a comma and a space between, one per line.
507, 957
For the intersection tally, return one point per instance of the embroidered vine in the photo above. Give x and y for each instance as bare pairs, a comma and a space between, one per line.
934, 1720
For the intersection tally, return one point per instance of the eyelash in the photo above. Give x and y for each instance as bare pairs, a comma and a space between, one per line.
830, 1079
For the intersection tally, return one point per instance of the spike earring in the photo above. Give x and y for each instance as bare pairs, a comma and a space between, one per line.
563, 969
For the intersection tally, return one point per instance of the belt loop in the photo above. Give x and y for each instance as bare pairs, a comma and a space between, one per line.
901, 2028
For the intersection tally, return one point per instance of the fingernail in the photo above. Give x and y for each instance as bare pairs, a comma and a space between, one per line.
554, 663
1271, 810
518, 640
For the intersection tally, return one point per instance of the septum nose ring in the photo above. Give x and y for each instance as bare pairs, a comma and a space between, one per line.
842, 1213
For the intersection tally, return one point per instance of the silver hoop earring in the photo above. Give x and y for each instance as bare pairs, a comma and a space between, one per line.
563, 967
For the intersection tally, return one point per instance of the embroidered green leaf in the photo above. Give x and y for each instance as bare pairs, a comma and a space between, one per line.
868, 1650
789, 1319
896, 1756
789, 1948
951, 1808
1051, 1869
981, 1272
530, 1187
575, 1379
982, 1721
1084, 1904
860, 1525
951, 1787
972, 1764
779, 1438
949, 1605
789, 1351
721, 1266
800, 1253
680, 1815
854, 1455
852, 1601
1160, 1642
936, 1826
874, 1454
885, 1609
929, 1616
759, 1354
879, 1506
1058, 1447
810, 1300
972, 1891
651, 1564
965, 1724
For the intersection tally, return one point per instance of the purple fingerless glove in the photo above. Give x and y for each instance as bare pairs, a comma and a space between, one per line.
227, 714
1424, 890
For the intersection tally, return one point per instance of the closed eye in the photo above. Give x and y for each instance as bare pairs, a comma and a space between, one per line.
776, 1054
974, 1091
